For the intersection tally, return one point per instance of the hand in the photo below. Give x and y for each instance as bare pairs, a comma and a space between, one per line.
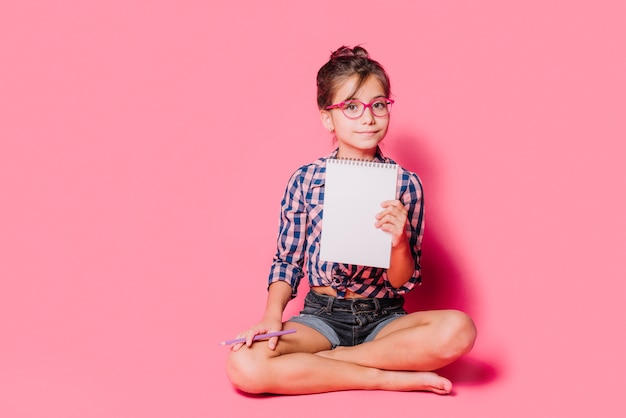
393, 219
263, 327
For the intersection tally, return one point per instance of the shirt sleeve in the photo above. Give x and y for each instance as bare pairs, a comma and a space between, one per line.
412, 198
288, 261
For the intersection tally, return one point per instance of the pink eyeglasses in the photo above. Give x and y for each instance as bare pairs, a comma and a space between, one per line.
354, 109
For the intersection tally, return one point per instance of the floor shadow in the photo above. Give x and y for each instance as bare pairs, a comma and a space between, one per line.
255, 395
470, 371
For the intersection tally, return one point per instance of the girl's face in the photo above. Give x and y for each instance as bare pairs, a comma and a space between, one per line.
357, 138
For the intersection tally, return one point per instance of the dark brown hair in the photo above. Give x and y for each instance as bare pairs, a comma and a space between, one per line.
344, 63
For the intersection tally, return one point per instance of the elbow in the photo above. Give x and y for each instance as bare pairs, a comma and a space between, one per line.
398, 280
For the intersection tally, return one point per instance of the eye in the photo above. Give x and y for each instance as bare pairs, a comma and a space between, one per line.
351, 106
380, 104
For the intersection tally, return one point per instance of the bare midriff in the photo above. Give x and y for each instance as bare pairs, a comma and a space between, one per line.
329, 291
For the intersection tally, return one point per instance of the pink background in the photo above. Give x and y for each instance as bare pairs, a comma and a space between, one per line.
144, 151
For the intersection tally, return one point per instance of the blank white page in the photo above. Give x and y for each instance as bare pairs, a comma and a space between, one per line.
353, 193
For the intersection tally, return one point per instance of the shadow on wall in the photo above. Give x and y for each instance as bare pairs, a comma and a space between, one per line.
445, 283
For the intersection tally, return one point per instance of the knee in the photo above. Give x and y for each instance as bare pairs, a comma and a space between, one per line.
459, 335
245, 372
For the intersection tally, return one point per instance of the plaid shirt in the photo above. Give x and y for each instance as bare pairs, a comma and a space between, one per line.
300, 231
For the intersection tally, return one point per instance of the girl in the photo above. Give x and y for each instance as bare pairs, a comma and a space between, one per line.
353, 332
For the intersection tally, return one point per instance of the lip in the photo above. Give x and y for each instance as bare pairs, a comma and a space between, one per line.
367, 132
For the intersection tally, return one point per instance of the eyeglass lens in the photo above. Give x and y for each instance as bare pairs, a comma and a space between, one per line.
355, 109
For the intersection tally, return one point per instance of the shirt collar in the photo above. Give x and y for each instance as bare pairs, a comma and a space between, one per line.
378, 157
319, 175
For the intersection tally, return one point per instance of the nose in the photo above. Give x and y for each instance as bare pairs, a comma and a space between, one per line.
368, 117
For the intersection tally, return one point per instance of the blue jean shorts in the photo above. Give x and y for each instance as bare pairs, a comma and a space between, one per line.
348, 322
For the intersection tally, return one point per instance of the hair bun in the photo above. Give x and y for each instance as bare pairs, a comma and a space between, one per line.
345, 51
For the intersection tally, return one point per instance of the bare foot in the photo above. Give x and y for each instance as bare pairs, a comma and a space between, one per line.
409, 381
405, 380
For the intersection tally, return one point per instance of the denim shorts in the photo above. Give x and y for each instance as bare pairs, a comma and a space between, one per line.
348, 322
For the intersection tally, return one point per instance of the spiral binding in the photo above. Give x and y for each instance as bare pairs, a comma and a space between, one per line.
361, 162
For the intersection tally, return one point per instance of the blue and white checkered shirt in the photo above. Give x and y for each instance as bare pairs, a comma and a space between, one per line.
300, 231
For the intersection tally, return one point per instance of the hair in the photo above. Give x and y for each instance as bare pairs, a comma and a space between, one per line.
343, 64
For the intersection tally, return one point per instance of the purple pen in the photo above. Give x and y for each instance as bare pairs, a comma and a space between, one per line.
259, 337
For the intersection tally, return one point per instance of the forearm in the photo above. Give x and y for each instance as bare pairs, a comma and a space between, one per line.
401, 265
393, 219
278, 295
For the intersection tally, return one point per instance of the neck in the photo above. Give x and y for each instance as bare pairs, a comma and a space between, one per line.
357, 154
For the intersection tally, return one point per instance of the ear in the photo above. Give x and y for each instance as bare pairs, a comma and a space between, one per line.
327, 120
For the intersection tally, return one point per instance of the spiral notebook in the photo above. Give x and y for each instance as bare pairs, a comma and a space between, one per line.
353, 193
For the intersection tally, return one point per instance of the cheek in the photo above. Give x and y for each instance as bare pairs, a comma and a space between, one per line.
342, 125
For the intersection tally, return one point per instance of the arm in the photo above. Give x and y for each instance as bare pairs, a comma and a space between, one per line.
402, 264
393, 219
278, 295
404, 220
286, 270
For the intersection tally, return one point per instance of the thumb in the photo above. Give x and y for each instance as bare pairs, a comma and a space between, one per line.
271, 343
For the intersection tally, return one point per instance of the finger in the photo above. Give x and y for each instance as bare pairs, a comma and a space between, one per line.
389, 218
271, 343
396, 210
391, 228
392, 203
387, 203
388, 211
250, 337
237, 346
393, 225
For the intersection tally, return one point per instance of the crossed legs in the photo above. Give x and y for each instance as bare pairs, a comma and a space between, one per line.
401, 358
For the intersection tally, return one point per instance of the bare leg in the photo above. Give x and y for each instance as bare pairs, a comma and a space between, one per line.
421, 341
293, 368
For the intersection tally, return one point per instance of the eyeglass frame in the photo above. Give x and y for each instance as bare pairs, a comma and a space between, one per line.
365, 106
